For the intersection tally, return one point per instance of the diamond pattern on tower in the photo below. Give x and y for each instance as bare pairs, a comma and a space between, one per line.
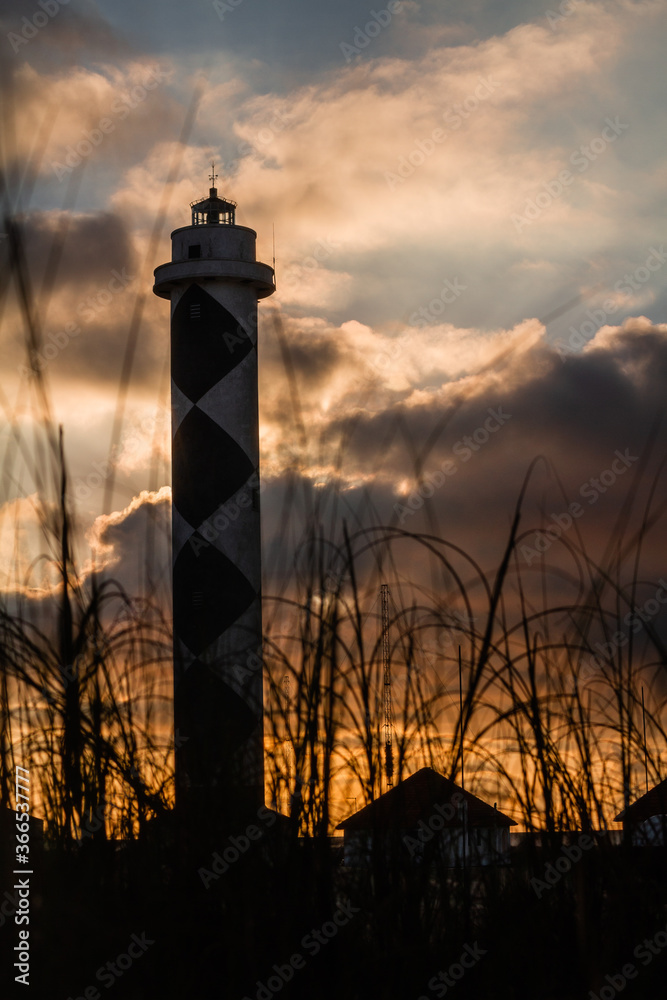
213, 719
216, 544
209, 332
235, 531
180, 406
210, 593
240, 421
208, 467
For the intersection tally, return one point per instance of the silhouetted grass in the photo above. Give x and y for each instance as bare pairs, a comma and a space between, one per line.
85, 704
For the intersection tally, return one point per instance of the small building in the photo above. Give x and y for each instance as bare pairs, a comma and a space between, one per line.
428, 817
647, 818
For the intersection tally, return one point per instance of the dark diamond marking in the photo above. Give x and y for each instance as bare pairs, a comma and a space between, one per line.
208, 467
205, 349
215, 720
222, 593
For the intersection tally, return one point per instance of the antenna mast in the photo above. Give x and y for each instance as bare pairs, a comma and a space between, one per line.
386, 663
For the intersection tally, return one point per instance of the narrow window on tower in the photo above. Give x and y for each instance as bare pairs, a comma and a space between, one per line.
195, 310
194, 250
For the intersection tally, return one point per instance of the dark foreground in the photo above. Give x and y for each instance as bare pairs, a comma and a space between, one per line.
261, 913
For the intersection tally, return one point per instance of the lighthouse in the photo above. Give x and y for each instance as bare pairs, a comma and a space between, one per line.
214, 282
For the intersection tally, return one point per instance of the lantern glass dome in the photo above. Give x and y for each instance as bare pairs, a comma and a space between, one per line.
213, 211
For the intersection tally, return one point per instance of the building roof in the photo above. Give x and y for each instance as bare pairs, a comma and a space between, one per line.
416, 798
652, 803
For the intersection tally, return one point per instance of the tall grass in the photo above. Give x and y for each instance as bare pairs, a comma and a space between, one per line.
527, 722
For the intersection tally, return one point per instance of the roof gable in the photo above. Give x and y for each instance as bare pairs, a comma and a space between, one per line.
418, 798
652, 803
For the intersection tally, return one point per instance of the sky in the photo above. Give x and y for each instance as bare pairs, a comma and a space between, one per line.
468, 205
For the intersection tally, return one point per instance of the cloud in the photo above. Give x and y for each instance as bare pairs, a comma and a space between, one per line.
354, 369
85, 276
348, 170
21, 537
374, 216
448, 459
76, 118
90, 245
315, 161
580, 415
68, 34
121, 542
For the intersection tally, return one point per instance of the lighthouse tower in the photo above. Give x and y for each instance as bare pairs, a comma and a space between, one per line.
214, 282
